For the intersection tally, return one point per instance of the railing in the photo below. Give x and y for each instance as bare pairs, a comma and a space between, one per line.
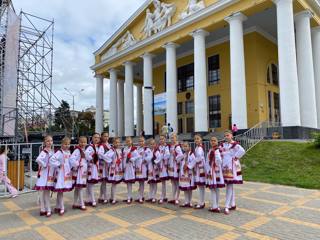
257, 133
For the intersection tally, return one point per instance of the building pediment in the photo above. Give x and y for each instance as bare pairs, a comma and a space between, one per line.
152, 17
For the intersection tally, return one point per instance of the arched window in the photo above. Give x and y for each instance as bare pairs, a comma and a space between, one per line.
272, 74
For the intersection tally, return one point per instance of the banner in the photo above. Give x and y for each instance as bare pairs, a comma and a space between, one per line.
10, 81
159, 105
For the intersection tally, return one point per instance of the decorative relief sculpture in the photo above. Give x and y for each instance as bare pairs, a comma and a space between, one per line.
124, 42
159, 19
193, 7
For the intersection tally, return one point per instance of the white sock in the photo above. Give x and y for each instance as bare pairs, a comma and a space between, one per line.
214, 198
163, 190
233, 199
190, 196
155, 187
201, 195
150, 190
129, 188
81, 202
42, 201
76, 196
217, 196
229, 190
174, 189
186, 197
141, 189
113, 191
177, 190
47, 200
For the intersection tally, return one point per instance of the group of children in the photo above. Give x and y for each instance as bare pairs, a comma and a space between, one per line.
100, 162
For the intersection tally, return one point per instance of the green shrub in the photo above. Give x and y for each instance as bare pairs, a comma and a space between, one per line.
316, 139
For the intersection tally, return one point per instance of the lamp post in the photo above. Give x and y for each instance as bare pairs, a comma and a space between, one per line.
73, 112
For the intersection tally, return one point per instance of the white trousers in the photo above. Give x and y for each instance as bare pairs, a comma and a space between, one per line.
59, 203
90, 193
188, 196
141, 190
215, 196
45, 201
103, 191
230, 196
78, 197
175, 189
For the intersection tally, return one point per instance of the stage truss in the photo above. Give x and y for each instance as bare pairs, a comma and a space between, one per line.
34, 110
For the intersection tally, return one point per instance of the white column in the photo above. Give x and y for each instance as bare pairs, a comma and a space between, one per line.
99, 104
128, 100
238, 75
200, 82
113, 126
171, 85
147, 94
316, 64
307, 97
139, 109
288, 76
120, 108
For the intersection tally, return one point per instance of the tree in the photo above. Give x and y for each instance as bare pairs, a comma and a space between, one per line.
63, 117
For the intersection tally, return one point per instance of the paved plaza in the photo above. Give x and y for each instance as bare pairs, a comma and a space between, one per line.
264, 212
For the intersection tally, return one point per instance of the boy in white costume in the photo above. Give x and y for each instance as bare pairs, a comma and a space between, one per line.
79, 165
186, 175
231, 152
214, 177
91, 154
45, 177
60, 161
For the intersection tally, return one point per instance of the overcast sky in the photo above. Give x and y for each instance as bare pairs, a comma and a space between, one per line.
81, 27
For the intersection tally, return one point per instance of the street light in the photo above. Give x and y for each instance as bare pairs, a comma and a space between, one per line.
71, 93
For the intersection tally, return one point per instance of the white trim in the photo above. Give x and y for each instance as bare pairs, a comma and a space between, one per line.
169, 30
223, 40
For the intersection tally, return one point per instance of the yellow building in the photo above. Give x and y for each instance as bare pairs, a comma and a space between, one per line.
209, 64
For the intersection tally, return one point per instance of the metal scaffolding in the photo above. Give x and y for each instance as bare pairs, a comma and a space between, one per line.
34, 98
33, 110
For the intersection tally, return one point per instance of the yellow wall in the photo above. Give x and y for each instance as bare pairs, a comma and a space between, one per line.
259, 53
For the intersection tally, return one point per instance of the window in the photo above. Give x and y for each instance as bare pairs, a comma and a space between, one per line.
180, 125
180, 108
272, 74
186, 77
214, 112
189, 107
213, 70
276, 101
270, 105
190, 125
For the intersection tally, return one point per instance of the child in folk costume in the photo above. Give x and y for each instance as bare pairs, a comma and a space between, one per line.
199, 170
60, 161
130, 155
231, 152
103, 167
141, 165
214, 179
79, 165
153, 171
3, 176
176, 155
114, 160
162, 163
91, 154
186, 176
45, 180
